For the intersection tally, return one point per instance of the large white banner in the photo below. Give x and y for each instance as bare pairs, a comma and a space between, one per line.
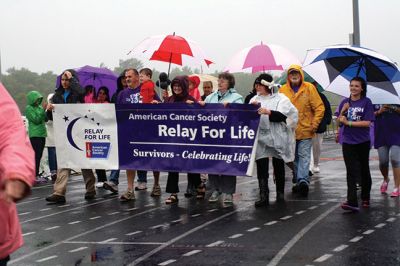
86, 135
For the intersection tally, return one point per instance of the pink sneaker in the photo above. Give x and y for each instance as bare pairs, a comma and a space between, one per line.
384, 187
395, 193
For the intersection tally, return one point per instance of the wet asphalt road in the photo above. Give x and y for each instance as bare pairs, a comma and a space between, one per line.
301, 231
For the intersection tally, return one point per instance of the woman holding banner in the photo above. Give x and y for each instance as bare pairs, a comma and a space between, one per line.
223, 184
275, 136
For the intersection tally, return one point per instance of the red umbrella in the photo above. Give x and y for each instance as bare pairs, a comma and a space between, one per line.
172, 49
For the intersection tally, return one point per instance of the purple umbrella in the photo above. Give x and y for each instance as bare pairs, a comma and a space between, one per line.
95, 76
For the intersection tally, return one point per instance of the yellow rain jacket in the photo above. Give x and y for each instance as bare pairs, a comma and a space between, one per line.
308, 103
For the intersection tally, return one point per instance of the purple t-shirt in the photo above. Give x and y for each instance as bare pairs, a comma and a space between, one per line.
129, 95
360, 110
387, 128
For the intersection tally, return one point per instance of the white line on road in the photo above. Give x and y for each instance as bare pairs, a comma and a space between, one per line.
313, 207
113, 243
113, 213
323, 258
75, 222
45, 209
236, 236
340, 248
64, 206
278, 257
47, 258
356, 239
286, 217
391, 219
29, 233
157, 226
216, 243
77, 249
24, 213
149, 205
195, 215
253, 229
271, 223
368, 232
108, 240
380, 225
323, 203
177, 221
131, 209
166, 262
94, 218
213, 210
190, 253
51, 228
300, 212
133, 233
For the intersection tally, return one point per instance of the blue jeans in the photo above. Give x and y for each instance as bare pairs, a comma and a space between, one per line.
142, 176
51, 151
114, 176
302, 160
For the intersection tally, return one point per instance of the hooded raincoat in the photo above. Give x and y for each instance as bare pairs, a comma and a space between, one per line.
35, 115
16, 163
230, 96
307, 102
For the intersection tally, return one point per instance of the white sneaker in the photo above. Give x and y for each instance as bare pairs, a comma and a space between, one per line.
99, 184
214, 196
316, 169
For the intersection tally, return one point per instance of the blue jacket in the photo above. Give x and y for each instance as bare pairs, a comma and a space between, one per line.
230, 96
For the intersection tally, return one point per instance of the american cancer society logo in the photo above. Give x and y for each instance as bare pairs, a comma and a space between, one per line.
90, 132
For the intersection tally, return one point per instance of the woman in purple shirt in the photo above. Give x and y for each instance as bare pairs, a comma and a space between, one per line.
387, 141
356, 114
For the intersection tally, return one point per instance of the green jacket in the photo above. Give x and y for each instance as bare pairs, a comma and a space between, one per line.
35, 115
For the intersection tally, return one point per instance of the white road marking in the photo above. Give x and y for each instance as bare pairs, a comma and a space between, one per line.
108, 240
271, 223
64, 206
391, 219
45, 209
323, 258
75, 222
190, 253
253, 229
236, 236
51, 228
94, 218
24, 213
131, 209
300, 212
313, 207
368, 232
216, 243
149, 205
113, 243
177, 221
380, 225
113, 213
278, 257
213, 210
323, 203
286, 217
356, 239
133, 233
29, 233
77, 249
340, 248
195, 215
47, 258
157, 226
166, 262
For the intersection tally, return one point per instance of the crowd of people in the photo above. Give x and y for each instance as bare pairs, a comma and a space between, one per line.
293, 119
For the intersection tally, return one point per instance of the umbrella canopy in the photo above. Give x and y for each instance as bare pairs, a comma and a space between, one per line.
95, 76
173, 49
334, 66
260, 58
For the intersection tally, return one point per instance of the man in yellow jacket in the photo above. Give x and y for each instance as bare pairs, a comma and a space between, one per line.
305, 98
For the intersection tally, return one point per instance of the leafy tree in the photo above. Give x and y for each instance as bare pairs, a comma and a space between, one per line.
128, 63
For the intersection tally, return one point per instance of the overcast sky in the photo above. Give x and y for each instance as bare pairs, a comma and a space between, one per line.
44, 35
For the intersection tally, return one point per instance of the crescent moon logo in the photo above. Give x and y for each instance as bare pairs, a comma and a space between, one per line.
69, 134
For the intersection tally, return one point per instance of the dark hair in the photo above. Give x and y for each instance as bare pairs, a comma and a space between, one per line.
229, 77
363, 85
146, 71
89, 88
132, 69
106, 92
266, 77
208, 82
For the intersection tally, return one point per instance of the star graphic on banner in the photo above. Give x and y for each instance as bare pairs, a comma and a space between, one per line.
86, 116
92, 119
66, 119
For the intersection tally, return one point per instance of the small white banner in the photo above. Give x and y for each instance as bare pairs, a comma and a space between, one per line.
86, 136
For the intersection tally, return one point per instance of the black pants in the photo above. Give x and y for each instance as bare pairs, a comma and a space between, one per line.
356, 159
3, 262
173, 181
279, 171
38, 146
101, 175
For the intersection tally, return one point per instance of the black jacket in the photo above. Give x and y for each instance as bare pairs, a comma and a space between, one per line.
327, 119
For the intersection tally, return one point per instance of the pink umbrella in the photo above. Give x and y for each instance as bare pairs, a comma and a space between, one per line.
260, 58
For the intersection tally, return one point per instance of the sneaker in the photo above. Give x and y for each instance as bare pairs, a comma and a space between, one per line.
41, 180
228, 198
127, 196
365, 204
395, 193
99, 184
316, 169
347, 207
214, 196
90, 195
303, 189
295, 188
55, 198
141, 186
156, 192
384, 187
111, 186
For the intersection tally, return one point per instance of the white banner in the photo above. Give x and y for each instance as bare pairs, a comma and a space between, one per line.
86, 136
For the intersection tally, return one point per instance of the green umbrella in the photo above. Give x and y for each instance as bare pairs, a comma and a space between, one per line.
283, 78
